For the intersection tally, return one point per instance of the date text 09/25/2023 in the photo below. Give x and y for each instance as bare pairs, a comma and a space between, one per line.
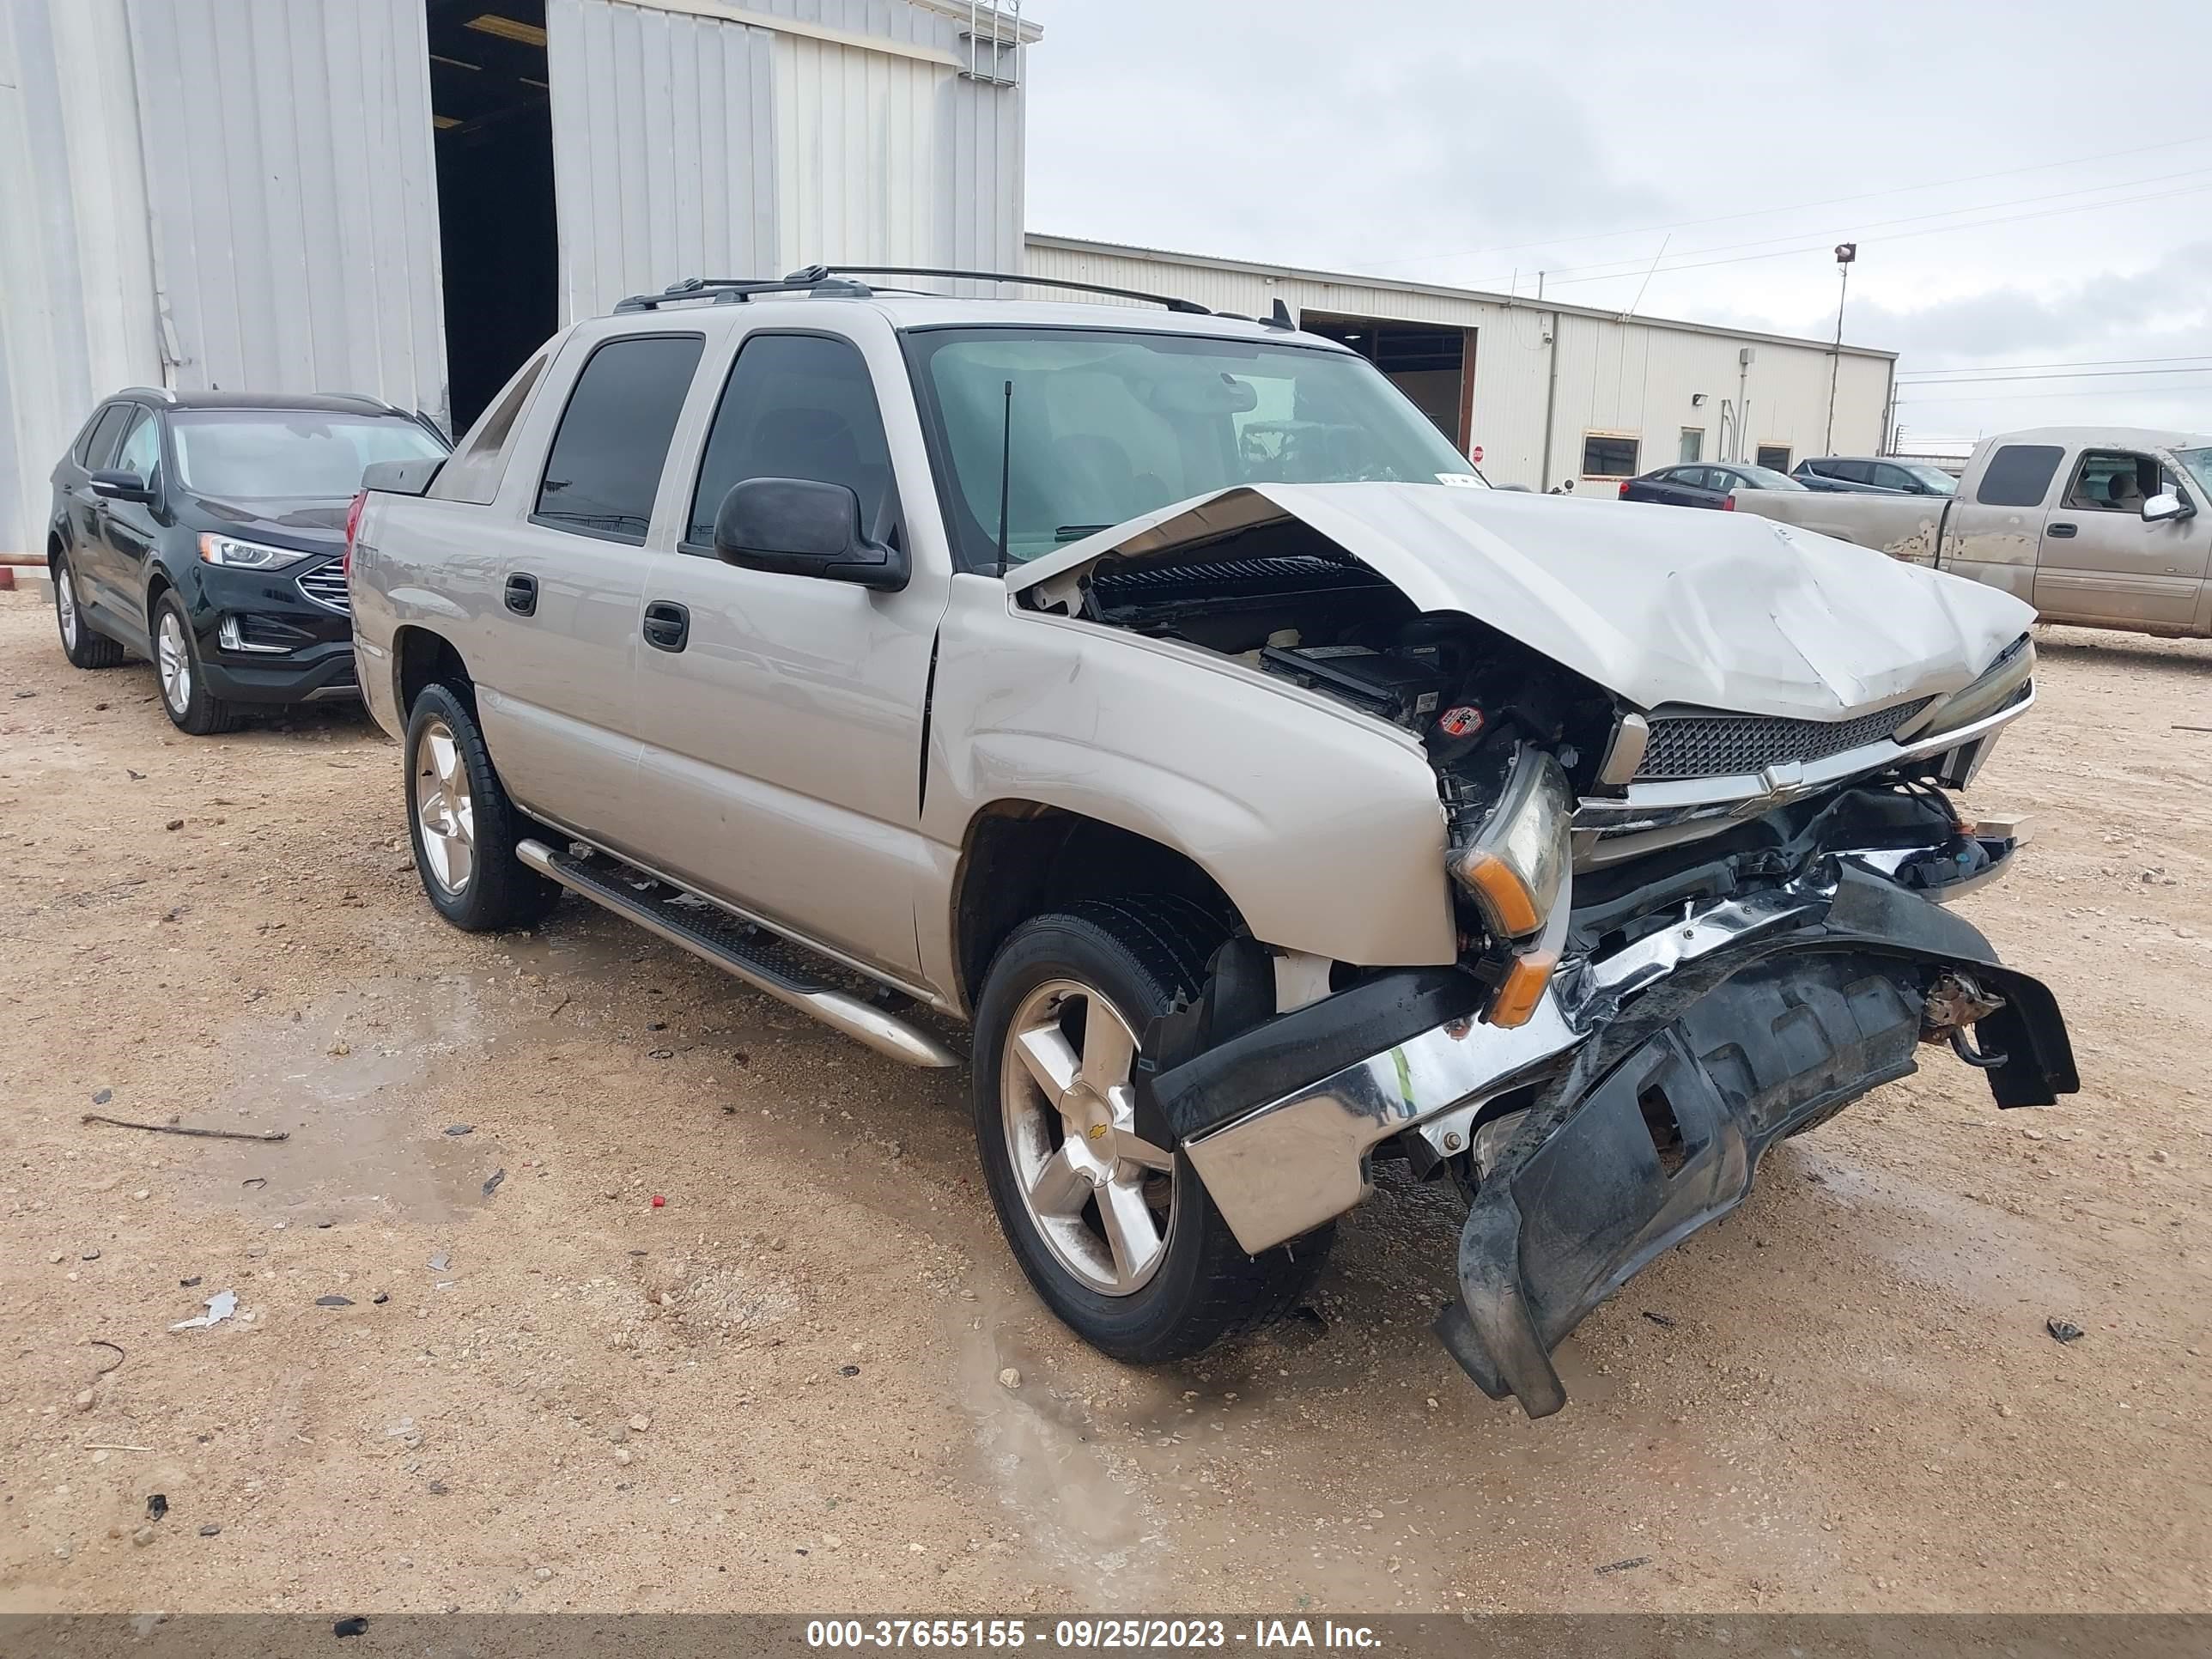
1087, 1634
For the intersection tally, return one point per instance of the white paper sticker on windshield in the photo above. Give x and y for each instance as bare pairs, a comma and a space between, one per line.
1464, 480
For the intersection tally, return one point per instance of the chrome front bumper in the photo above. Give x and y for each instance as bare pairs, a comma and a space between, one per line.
1280, 1168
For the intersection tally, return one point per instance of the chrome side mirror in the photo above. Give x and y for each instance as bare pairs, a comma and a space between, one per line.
2159, 508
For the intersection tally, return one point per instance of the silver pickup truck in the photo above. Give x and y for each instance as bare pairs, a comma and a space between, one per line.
1157, 695
2098, 526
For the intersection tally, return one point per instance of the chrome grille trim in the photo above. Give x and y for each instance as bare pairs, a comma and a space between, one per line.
1683, 746
325, 585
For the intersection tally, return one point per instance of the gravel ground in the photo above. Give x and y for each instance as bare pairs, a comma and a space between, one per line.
782, 1388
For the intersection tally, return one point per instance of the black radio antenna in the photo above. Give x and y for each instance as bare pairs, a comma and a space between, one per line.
1005, 472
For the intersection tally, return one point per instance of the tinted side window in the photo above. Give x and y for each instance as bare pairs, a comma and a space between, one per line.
604, 466
141, 450
1893, 478
100, 442
1850, 471
2018, 474
796, 406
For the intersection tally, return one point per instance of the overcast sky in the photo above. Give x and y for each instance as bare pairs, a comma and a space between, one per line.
1474, 144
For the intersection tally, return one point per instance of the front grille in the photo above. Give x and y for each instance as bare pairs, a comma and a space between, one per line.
1730, 745
326, 586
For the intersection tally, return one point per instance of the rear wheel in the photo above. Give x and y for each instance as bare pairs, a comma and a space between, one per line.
1116, 1231
80, 644
464, 827
191, 706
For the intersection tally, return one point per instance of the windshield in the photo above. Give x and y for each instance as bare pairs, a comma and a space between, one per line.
1936, 479
1105, 424
1765, 477
248, 454
2197, 462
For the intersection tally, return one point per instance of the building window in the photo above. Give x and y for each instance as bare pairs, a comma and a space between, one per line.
1694, 444
1605, 456
1775, 455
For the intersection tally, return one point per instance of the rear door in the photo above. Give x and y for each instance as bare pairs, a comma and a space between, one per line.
557, 685
2102, 561
783, 738
85, 511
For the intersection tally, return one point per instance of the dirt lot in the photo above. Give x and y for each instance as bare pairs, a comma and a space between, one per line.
781, 1390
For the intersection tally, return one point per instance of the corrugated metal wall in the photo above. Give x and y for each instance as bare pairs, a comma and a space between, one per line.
1636, 379
635, 89
294, 195
824, 130
76, 270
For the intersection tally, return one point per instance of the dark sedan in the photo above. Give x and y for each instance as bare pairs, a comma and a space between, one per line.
204, 531
1866, 475
1703, 483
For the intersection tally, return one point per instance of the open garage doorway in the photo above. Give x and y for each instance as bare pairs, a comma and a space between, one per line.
1433, 366
499, 250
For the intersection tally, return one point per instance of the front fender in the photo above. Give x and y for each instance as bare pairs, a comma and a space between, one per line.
1322, 825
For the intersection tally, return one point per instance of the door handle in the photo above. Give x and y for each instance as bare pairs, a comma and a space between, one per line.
2063, 531
522, 593
667, 625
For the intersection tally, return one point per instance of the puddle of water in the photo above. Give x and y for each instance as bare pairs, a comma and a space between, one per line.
361, 1144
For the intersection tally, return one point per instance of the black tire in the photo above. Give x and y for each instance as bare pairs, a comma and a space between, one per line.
196, 710
84, 646
1139, 953
499, 892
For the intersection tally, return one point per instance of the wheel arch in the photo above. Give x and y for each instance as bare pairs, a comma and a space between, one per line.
1021, 859
423, 657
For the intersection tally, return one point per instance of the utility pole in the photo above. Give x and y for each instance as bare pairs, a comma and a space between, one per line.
1846, 254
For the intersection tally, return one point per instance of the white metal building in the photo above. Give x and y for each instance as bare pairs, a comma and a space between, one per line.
404, 197
1548, 392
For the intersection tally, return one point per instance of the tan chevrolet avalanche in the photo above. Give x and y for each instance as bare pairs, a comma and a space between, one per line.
1157, 697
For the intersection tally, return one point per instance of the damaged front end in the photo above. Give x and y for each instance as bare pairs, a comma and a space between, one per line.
1628, 1109
1698, 869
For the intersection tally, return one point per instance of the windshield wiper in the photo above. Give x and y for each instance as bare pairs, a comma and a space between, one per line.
1076, 532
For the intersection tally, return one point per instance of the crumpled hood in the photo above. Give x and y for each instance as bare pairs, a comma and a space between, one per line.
1660, 605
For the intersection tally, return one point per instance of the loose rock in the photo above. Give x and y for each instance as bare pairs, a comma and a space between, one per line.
1010, 1378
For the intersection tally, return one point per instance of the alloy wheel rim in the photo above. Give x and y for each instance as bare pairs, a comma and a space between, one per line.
175, 661
1100, 1195
65, 605
445, 810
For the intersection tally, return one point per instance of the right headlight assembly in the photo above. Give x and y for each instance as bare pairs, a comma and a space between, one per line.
1515, 868
1998, 686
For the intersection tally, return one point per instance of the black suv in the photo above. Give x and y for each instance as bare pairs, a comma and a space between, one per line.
206, 531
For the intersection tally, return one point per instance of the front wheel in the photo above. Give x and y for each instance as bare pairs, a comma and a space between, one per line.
464, 827
1116, 1231
184, 695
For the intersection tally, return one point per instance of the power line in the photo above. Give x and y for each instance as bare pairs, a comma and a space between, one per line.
2078, 362
2038, 397
1624, 266
1797, 207
2080, 374
1905, 235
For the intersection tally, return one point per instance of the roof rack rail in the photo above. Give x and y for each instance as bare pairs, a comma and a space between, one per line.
733, 291
159, 393
1189, 307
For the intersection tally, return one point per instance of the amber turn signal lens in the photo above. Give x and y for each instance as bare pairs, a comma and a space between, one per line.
1523, 988
1504, 899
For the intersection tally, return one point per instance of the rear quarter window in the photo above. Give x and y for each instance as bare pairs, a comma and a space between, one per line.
2019, 475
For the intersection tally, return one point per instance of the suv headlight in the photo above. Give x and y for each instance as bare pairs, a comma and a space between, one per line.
1514, 868
1998, 686
247, 556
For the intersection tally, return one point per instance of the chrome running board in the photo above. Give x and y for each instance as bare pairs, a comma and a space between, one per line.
696, 923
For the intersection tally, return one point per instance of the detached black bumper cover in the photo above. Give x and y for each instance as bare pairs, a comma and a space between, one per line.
1656, 1127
